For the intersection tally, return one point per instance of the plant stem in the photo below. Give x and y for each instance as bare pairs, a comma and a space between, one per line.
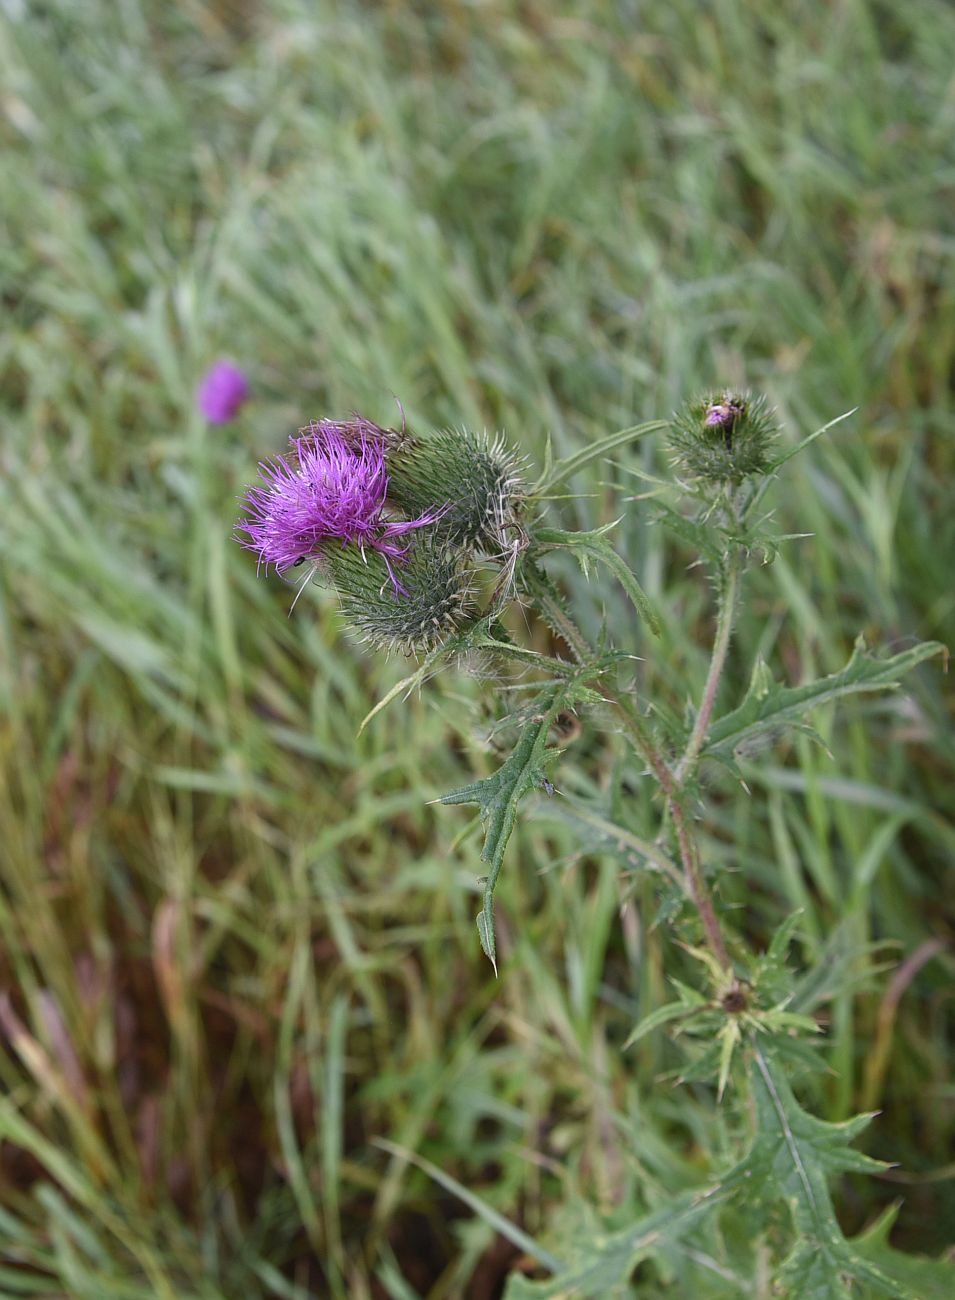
695, 880
724, 629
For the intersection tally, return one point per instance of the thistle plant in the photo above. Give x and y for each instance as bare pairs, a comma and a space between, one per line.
430, 538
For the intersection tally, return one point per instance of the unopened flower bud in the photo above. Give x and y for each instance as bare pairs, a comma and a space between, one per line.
475, 480
723, 437
434, 602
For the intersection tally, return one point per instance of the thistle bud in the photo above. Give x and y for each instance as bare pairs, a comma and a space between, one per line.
434, 600
474, 481
723, 437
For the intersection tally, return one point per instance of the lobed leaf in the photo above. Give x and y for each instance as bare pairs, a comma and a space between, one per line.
769, 706
601, 1264
792, 1157
917, 1275
498, 795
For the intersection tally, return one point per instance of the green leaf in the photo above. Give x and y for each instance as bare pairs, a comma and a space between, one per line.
769, 706
662, 1016
601, 1264
915, 1275
699, 538
564, 469
792, 1157
801, 446
519, 717
498, 795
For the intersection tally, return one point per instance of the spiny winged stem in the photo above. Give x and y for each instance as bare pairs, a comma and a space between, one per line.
671, 780
645, 746
689, 856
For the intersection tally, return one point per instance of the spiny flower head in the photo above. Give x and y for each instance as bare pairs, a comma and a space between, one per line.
437, 597
723, 436
331, 488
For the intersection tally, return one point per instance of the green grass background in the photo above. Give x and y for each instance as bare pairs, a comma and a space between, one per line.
237, 945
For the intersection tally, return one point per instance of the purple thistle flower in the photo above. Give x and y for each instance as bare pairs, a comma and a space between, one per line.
222, 391
333, 486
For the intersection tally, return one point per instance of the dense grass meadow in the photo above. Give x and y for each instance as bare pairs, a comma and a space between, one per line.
242, 1000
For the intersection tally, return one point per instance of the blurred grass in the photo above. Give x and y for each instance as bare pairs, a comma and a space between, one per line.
238, 946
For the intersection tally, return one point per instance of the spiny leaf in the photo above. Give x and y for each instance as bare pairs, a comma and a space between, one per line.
703, 540
792, 1157
801, 446
595, 544
498, 795
662, 1016
519, 717
768, 706
601, 1264
929, 1279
